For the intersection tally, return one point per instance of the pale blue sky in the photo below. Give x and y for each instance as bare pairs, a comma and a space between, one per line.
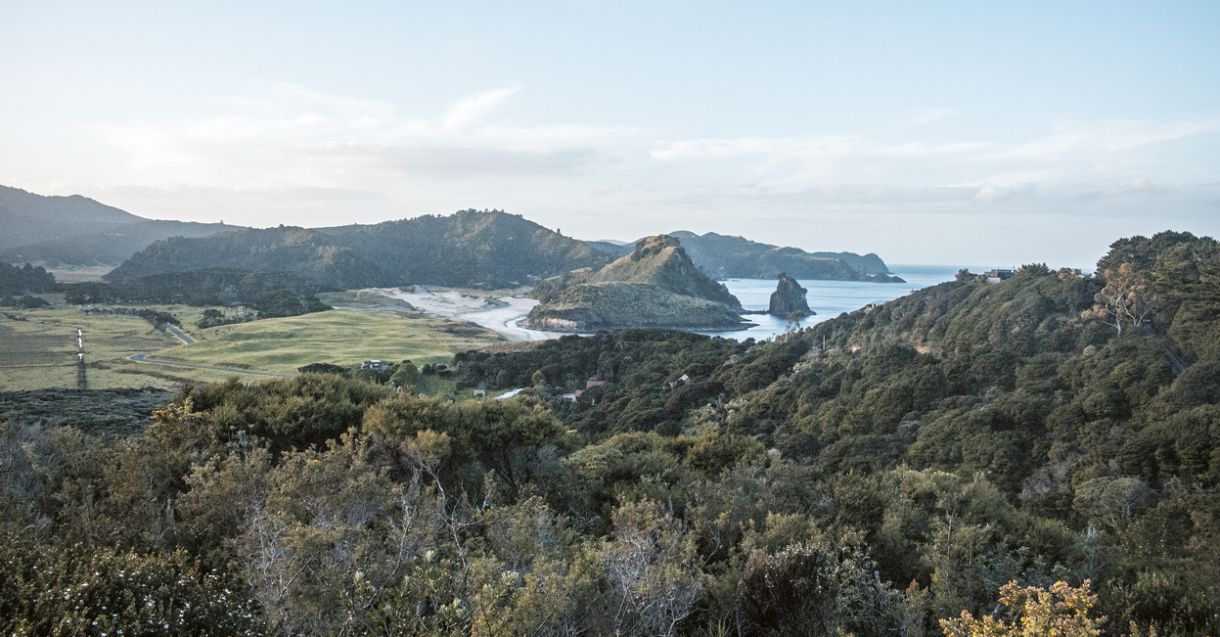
963, 132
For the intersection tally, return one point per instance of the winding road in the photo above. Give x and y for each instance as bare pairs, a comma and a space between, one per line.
187, 339
143, 358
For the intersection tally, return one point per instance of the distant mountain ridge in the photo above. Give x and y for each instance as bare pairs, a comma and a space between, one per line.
466, 249
108, 247
29, 218
492, 248
79, 231
723, 256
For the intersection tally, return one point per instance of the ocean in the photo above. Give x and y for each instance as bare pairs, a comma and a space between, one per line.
830, 298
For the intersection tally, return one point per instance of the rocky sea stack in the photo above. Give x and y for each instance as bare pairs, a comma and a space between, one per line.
654, 286
789, 297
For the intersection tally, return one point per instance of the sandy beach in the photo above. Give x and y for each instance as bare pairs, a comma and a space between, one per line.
502, 314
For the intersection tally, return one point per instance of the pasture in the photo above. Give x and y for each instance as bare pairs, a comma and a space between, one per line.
38, 350
339, 337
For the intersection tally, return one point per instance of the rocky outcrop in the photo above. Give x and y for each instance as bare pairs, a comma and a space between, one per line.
788, 297
654, 286
619, 305
661, 261
884, 278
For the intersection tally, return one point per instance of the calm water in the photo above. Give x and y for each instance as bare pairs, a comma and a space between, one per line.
831, 298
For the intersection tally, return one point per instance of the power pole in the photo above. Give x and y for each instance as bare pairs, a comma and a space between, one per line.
82, 383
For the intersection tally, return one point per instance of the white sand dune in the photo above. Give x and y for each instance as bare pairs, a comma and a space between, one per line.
502, 314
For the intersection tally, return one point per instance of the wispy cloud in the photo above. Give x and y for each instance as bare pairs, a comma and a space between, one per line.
472, 109
1111, 136
296, 155
991, 193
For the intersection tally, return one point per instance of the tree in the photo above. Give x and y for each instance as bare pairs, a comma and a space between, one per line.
818, 588
406, 376
1113, 502
1127, 298
1061, 611
793, 320
651, 568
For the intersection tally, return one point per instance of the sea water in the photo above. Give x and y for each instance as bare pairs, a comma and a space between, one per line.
829, 298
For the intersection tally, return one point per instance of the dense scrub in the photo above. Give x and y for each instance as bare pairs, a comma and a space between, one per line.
871, 476
269, 293
16, 280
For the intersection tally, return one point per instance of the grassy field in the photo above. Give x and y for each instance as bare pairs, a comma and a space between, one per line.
37, 347
37, 350
340, 337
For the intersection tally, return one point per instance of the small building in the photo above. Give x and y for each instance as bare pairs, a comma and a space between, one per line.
480, 393
996, 275
572, 396
376, 365
594, 382
681, 380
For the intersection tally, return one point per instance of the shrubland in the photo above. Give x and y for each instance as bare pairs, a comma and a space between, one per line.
972, 459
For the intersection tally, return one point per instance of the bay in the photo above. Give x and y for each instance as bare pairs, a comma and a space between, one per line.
829, 298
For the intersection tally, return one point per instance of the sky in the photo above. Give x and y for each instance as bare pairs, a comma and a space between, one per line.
991, 133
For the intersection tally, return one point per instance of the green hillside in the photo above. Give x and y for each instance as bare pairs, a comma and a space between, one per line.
656, 285
466, 249
876, 475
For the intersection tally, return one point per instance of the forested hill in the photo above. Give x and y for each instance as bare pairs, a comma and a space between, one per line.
871, 476
78, 231
468, 248
1048, 426
723, 256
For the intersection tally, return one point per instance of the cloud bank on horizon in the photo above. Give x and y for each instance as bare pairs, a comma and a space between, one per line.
961, 179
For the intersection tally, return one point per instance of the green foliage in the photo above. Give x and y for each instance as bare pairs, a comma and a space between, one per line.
17, 280
405, 376
511, 439
82, 590
819, 588
875, 475
24, 302
489, 249
271, 294
305, 410
638, 366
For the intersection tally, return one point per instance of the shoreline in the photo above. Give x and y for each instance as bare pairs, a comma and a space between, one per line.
507, 311
500, 314
741, 327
